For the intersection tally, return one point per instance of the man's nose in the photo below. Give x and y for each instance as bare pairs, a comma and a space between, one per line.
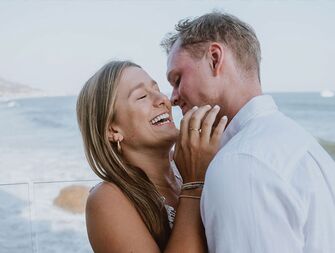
174, 99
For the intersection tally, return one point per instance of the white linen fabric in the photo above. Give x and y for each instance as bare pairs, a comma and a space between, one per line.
270, 188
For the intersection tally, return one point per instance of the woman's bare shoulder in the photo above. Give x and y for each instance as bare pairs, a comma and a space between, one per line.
113, 223
104, 193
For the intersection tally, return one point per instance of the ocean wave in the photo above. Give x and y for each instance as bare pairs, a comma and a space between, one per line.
11, 104
8, 103
47, 122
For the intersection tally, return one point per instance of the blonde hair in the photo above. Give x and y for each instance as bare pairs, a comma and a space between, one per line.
95, 112
195, 35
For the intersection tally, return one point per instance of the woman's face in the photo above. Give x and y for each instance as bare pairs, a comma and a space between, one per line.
143, 113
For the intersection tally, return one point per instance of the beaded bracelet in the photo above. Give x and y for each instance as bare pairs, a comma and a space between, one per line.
189, 197
192, 185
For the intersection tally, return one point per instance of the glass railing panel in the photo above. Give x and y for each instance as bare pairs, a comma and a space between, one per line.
16, 235
59, 219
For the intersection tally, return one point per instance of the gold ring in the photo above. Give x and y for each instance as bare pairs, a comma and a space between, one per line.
195, 129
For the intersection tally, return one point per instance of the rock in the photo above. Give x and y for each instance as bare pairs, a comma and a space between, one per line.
328, 146
9, 89
72, 198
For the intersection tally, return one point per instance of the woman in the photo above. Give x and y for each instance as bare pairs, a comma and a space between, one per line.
128, 133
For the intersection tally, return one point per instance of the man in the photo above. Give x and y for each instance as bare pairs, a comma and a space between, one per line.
271, 187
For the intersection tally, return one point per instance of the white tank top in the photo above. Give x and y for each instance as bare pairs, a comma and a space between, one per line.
171, 212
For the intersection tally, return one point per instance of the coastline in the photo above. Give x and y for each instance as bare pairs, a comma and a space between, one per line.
9, 98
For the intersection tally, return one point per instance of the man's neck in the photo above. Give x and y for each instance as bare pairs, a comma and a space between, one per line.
239, 91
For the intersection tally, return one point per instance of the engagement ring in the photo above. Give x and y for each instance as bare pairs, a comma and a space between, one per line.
195, 129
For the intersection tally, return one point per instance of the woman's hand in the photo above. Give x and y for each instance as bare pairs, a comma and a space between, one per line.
198, 142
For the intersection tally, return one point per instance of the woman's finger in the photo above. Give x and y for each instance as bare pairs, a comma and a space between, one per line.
184, 126
198, 116
207, 124
217, 133
195, 125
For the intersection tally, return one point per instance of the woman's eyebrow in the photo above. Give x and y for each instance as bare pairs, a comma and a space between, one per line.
140, 85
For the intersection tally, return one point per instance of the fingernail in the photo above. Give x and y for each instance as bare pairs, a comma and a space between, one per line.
224, 118
217, 107
195, 107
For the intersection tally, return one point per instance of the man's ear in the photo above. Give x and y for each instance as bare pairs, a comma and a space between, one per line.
216, 54
114, 134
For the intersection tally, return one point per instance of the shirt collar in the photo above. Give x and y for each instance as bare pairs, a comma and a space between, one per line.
254, 108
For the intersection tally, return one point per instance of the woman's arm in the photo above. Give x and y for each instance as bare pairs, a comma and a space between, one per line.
188, 233
193, 152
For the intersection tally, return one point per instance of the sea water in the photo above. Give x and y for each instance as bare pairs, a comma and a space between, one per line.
41, 153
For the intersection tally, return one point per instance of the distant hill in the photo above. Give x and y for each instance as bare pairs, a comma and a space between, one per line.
10, 89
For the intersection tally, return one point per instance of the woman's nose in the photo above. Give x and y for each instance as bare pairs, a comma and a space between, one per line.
161, 99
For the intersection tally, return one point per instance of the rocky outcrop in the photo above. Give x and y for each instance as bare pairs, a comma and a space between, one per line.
72, 198
10, 89
328, 146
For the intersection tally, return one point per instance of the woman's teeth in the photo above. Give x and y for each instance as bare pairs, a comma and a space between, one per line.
161, 119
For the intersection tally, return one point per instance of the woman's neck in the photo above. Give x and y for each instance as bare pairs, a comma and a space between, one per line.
158, 168
155, 163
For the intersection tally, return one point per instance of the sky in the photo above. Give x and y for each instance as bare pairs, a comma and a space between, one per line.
57, 45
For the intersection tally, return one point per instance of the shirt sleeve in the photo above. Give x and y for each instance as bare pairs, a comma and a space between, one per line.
247, 207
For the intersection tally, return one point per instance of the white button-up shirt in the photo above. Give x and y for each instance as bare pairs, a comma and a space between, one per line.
270, 188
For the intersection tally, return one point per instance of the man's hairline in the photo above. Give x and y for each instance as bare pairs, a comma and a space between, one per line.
182, 48
193, 56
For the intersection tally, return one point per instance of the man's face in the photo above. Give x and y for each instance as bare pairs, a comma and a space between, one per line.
190, 79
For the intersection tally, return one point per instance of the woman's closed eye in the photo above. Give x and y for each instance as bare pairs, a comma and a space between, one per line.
141, 97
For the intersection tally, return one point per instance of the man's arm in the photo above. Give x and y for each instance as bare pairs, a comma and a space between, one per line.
247, 207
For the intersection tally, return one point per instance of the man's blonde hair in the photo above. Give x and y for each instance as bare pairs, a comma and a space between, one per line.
196, 34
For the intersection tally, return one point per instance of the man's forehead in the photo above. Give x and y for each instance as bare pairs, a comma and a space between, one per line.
174, 56
175, 49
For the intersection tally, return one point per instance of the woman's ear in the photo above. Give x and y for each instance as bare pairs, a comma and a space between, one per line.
216, 54
114, 134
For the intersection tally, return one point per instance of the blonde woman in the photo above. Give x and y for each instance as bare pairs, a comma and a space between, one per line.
142, 204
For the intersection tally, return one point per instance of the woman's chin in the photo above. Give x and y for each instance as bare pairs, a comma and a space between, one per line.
168, 140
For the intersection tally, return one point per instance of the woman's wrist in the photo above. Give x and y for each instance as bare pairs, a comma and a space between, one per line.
192, 185
193, 179
196, 192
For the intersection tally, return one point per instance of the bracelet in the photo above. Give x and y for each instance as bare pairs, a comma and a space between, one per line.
192, 185
189, 197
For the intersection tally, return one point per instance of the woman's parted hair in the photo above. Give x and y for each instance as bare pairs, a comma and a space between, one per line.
95, 112
195, 34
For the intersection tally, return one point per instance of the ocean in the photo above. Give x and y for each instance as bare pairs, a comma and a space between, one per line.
41, 153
